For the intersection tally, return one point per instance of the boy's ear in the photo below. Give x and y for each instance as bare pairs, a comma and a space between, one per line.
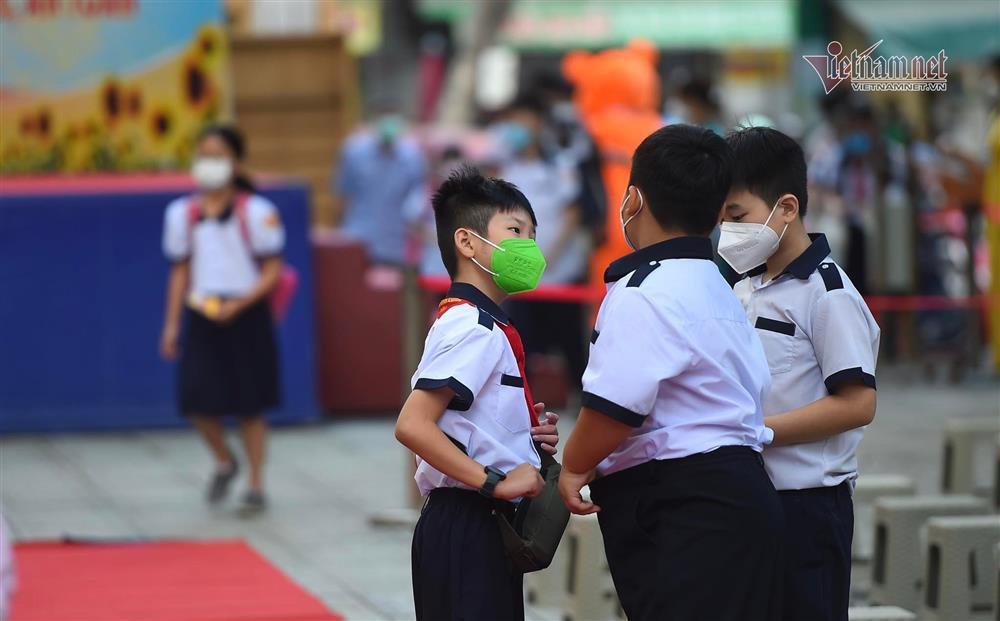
632, 202
463, 241
788, 207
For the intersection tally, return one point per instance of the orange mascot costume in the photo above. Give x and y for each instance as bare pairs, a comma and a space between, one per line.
617, 93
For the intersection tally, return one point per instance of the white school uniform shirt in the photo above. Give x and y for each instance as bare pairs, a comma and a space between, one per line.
673, 356
818, 335
223, 263
467, 352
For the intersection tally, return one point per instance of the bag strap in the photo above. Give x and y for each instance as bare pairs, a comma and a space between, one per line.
240, 206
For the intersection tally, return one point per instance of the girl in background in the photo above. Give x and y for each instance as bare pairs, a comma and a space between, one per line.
225, 244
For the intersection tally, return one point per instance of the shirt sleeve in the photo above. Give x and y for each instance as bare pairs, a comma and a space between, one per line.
460, 355
845, 339
267, 233
344, 174
177, 232
635, 350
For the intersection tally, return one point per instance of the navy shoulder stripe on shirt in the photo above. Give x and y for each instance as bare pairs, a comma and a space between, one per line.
641, 273
831, 276
485, 319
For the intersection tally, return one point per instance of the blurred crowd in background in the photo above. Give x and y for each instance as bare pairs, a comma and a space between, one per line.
366, 105
896, 179
354, 111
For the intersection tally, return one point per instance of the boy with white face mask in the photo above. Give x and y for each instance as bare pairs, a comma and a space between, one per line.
821, 344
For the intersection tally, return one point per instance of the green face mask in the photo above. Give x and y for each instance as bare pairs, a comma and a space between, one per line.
517, 264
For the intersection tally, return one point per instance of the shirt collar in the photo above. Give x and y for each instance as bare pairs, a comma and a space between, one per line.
223, 216
472, 295
806, 263
677, 248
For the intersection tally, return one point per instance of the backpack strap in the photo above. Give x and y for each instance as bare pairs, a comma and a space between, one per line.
240, 205
192, 219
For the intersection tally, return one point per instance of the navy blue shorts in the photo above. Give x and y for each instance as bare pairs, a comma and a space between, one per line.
460, 568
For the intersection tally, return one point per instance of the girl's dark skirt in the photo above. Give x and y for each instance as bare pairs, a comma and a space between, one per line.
696, 538
231, 369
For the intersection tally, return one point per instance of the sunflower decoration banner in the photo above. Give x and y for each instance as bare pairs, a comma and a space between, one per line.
108, 85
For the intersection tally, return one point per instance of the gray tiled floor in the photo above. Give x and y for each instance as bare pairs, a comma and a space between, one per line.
327, 480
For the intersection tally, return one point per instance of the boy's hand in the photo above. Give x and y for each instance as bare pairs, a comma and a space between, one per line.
523, 481
546, 432
570, 484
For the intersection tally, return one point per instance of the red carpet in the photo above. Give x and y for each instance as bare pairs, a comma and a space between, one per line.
210, 581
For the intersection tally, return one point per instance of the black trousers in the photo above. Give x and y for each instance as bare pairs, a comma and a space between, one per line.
694, 539
820, 526
460, 569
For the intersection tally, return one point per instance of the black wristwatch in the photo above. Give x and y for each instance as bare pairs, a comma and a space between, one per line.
493, 476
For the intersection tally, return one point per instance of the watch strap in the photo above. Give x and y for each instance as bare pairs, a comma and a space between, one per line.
493, 477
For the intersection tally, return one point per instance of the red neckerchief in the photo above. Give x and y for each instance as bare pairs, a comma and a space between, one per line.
513, 339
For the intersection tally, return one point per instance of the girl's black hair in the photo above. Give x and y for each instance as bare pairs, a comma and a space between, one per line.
234, 139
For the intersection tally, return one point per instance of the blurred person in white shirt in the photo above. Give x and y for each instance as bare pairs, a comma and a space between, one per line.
553, 189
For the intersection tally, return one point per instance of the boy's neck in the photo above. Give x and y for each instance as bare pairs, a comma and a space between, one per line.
794, 243
471, 274
659, 235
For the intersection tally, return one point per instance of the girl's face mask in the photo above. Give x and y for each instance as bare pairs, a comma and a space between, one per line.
212, 173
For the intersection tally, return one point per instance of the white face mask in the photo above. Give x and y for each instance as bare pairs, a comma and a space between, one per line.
212, 173
621, 217
744, 245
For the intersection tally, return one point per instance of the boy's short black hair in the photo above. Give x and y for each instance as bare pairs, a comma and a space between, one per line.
769, 164
684, 173
469, 200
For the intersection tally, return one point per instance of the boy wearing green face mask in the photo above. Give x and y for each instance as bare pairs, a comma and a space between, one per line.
471, 420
